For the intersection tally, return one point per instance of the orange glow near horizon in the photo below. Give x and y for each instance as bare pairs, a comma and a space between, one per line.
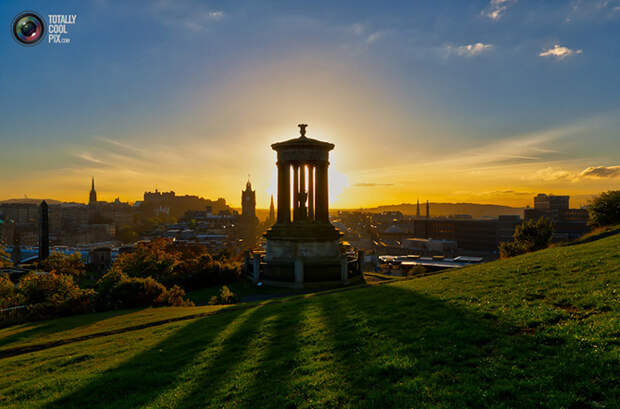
382, 156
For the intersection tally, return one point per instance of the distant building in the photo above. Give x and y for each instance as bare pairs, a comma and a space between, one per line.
169, 203
431, 247
100, 258
248, 202
506, 227
248, 222
568, 223
158, 196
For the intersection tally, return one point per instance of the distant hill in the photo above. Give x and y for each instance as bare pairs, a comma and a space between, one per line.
476, 210
30, 201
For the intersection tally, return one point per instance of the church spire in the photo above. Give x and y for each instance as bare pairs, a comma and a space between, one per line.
272, 212
417, 211
92, 199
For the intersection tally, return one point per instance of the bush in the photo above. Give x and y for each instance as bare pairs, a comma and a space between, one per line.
605, 209
116, 291
511, 249
225, 296
51, 294
531, 235
416, 270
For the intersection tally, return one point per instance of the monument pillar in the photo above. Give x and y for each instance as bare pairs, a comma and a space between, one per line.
311, 192
302, 192
284, 192
295, 192
322, 195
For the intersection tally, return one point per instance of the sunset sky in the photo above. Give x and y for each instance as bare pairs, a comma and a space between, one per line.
469, 101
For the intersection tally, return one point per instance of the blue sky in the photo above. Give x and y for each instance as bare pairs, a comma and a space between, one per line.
486, 101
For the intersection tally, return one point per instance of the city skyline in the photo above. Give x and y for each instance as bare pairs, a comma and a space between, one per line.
496, 106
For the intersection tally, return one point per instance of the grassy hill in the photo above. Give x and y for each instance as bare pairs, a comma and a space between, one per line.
539, 330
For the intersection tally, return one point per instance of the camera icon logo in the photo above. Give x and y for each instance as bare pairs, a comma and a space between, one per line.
28, 28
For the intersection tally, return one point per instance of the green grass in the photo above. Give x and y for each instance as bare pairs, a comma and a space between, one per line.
82, 325
242, 288
539, 330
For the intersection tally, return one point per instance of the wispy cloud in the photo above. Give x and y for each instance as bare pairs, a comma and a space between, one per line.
118, 144
593, 10
559, 52
551, 174
467, 50
496, 8
369, 37
216, 15
89, 158
191, 15
374, 37
601, 172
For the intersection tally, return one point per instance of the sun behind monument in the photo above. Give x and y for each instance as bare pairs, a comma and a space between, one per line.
303, 246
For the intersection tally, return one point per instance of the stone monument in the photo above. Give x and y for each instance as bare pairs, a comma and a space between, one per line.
302, 246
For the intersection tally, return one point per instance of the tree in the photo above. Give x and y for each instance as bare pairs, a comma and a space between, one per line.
187, 265
531, 235
5, 259
148, 260
8, 293
69, 264
605, 209
535, 233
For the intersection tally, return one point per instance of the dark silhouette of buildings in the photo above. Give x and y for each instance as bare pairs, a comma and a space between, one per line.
170, 204
568, 223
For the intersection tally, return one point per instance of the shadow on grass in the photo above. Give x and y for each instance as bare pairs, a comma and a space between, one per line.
393, 347
270, 383
43, 328
142, 378
404, 349
209, 383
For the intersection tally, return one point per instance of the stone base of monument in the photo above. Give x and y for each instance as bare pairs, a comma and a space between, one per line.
302, 255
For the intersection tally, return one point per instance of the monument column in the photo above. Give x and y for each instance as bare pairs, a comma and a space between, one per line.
284, 192
302, 191
295, 192
311, 192
322, 195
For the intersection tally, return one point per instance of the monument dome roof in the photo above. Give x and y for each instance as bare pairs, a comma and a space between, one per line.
303, 142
